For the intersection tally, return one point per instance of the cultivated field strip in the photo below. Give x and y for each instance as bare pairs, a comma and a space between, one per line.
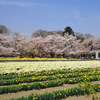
57, 95
12, 82
42, 73
22, 77
40, 82
22, 67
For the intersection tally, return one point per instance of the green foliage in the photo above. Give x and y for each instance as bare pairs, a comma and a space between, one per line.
47, 73
45, 84
53, 78
85, 76
89, 88
21, 79
68, 30
96, 98
56, 95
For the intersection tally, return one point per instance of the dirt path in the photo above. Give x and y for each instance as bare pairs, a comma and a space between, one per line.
82, 97
26, 93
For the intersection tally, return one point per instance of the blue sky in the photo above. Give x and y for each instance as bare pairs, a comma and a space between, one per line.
30, 15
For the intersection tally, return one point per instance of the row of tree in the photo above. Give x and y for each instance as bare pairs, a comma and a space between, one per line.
48, 44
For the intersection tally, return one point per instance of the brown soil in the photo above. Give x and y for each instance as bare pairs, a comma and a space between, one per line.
83, 97
26, 93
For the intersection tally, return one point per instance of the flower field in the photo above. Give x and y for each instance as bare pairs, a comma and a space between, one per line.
34, 59
27, 76
21, 67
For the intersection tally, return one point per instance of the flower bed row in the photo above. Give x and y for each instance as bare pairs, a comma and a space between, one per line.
44, 78
45, 84
24, 59
56, 95
24, 67
53, 72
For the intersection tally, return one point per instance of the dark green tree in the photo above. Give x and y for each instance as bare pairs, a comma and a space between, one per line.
68, 30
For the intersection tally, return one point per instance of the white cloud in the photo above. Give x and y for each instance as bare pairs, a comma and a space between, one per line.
19, 3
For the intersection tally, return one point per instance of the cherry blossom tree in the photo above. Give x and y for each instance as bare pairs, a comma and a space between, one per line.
88, 47
55, 45
6, 46
51, 45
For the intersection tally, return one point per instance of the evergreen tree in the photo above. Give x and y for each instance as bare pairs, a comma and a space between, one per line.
68, 30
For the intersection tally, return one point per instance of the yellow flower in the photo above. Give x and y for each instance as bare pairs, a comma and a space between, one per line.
24, 84
70, 80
